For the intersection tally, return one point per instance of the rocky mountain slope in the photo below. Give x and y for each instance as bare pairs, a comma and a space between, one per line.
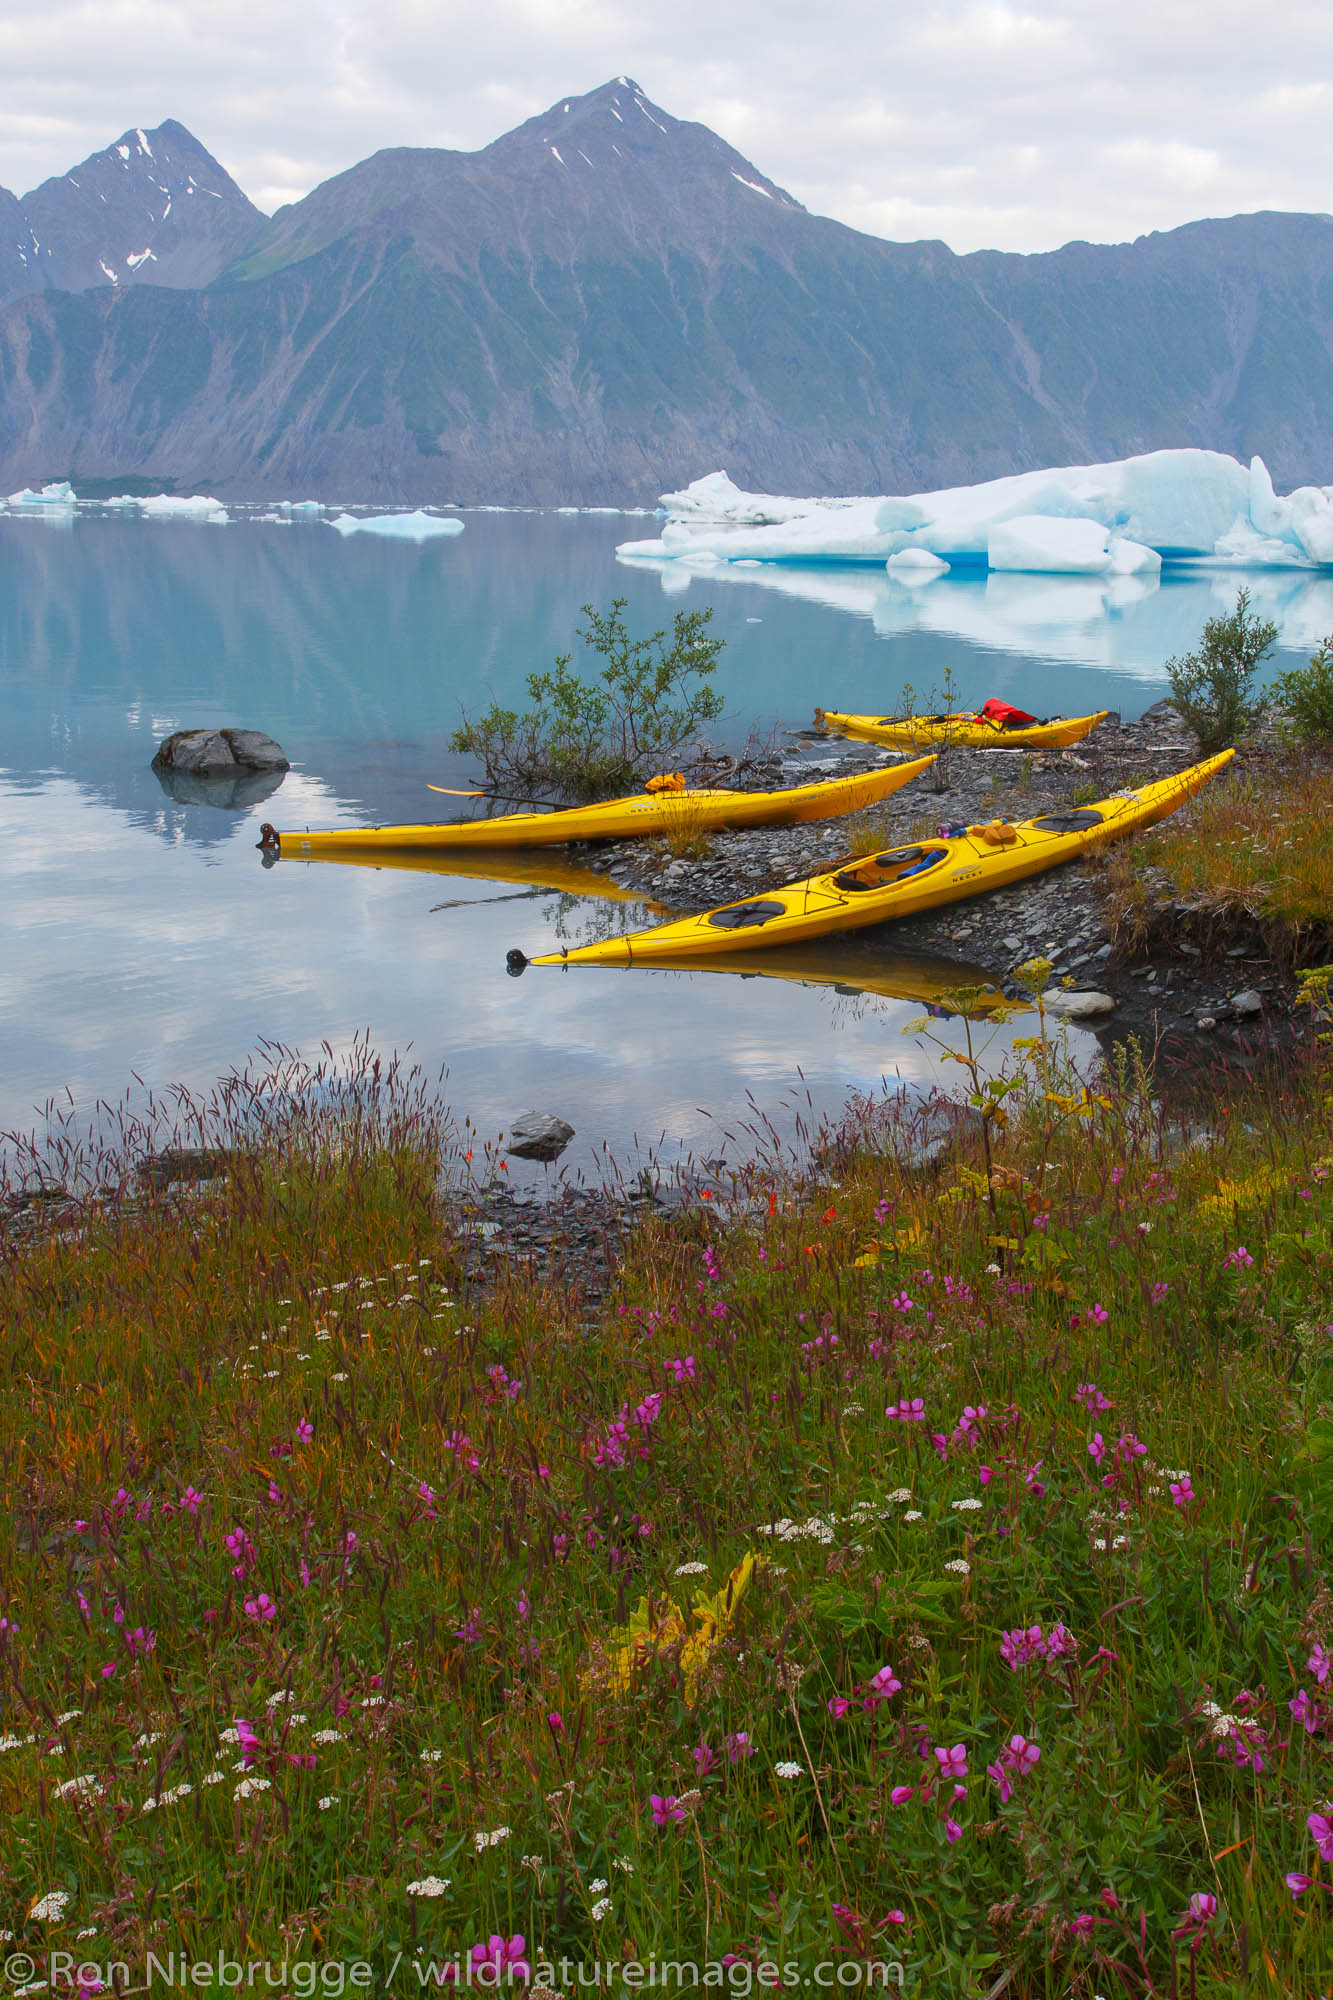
607, 302
154, 208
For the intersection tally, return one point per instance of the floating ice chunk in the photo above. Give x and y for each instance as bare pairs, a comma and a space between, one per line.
915, 565
417, 527
182, 507
1079, 519
59, 493
169, 506
300, 507
1038, 542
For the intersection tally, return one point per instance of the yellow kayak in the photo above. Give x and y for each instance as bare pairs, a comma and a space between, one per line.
966, 728
648, 812
903, 881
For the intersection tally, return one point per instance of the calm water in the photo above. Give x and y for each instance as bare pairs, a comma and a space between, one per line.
143, 938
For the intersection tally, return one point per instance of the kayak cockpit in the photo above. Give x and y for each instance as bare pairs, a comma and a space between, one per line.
879, 870
744, 916
1073, 821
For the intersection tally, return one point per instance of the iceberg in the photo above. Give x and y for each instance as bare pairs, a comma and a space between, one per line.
308, 507
170, 506
417, 527
1120, 519
59, 494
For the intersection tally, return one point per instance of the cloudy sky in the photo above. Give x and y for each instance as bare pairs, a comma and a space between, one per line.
1015, 126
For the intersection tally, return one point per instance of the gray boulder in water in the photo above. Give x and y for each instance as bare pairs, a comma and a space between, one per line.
538, 1135
220, 753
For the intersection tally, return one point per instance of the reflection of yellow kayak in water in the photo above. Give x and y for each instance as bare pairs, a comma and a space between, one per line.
920, 976
904, 881
526, 869
649, 812
967, 729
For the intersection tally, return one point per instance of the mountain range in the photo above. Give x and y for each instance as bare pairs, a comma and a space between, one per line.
607, 302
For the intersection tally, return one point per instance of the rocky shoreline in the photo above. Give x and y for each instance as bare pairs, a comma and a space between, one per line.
1186, 1001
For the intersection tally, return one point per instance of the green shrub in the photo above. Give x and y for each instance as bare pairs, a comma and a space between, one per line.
1210, 688
1307, 695
592, 739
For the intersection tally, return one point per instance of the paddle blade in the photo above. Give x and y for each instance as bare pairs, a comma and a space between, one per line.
454, 793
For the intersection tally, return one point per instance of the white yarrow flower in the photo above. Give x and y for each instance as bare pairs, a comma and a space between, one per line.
429, 1885
691, 1569
249, 1786
959, 1567
788, 1770
601, 1909
49, 1907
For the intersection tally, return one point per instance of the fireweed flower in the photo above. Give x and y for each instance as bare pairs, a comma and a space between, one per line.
500, 1955
704, 1758
1182, 1492
1304, 1711
1239, 1259
261, 1607
838, 1706
952, 1760
666, 1810
1298, 1883
738, 1746
883, 1685
1091, 1398
1097, 1449
1321, 1832
1319, 1663
1020, 1755
909, 1410
1020, 1646
901, 1794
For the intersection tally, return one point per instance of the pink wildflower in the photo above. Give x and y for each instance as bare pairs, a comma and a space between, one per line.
1304, 1711
499, 1956
738, 1746
261, 1607
1240, 1258
1321, 1832
1182, 1492
665, 1810
952, 1831
884, 1684
1319, 1663
1091, 1398
952, 1760
1097, 1449
901, 1794
909, 1410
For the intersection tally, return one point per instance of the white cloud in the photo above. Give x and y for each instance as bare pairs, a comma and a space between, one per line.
1011, 126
